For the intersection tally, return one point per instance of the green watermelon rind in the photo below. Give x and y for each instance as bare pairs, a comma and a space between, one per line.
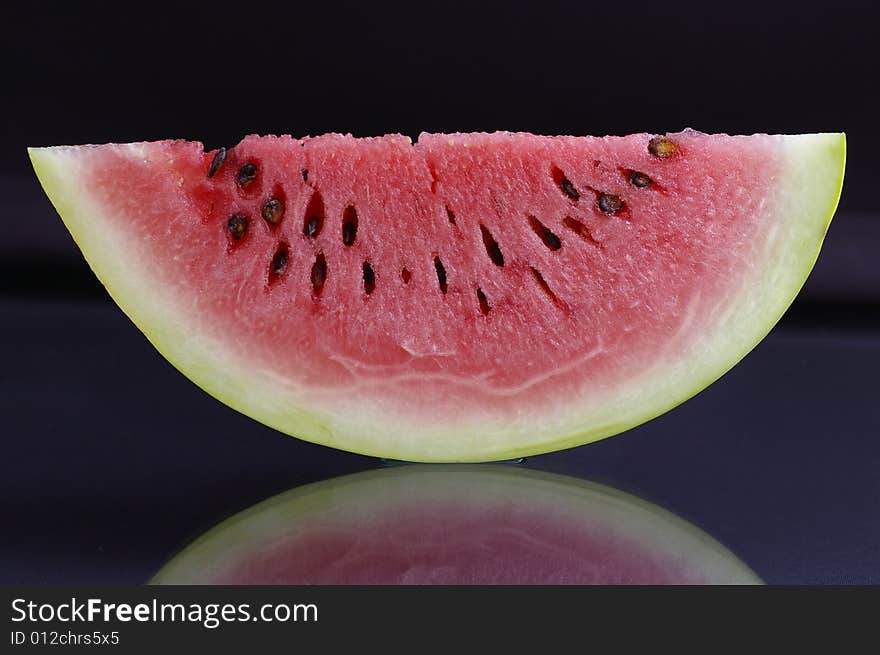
351, 500
807, 194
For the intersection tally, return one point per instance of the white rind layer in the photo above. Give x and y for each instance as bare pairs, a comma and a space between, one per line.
806, 197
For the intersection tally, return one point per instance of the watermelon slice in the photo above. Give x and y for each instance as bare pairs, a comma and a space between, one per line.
467, 297
490, 524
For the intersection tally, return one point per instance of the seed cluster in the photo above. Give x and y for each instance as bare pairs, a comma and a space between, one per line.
273, 210
661, 147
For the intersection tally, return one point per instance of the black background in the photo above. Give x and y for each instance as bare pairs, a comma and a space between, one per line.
112, 460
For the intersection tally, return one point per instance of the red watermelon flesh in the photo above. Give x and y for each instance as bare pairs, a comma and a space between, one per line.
480, 525
470, 296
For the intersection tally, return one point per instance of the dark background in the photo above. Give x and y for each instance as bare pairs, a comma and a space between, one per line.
111, 459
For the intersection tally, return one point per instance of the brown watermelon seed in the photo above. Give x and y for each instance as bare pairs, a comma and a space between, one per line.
662, 147
217, 162
545, 234
279, 261
319, 274
484, 302
273, 211
369, 278
237, 225
492, 247
441, 275
450, 215
565, 184
247, 174
349, 225
609, 203
639, 180
405, 275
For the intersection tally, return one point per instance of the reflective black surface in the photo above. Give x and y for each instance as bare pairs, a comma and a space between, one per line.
483, 524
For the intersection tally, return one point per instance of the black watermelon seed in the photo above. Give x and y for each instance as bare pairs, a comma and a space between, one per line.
279, 261
568, 189
369, 278
313, 219
305, 174
349, 226
552, 240
441, 275
662, 147
545, 234
492, 247
247, 174
639, 180
217, 162
564, 183
273, 211
609, 203
349, 232
450, 215
319, 274
237, 225
484, 302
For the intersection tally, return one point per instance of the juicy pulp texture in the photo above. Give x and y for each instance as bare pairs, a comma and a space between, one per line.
455, 525
499, 295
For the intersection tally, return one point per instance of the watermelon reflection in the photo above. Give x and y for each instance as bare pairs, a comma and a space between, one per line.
435, 524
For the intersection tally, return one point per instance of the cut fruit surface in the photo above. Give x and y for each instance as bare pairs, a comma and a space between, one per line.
496, 524
467, 297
